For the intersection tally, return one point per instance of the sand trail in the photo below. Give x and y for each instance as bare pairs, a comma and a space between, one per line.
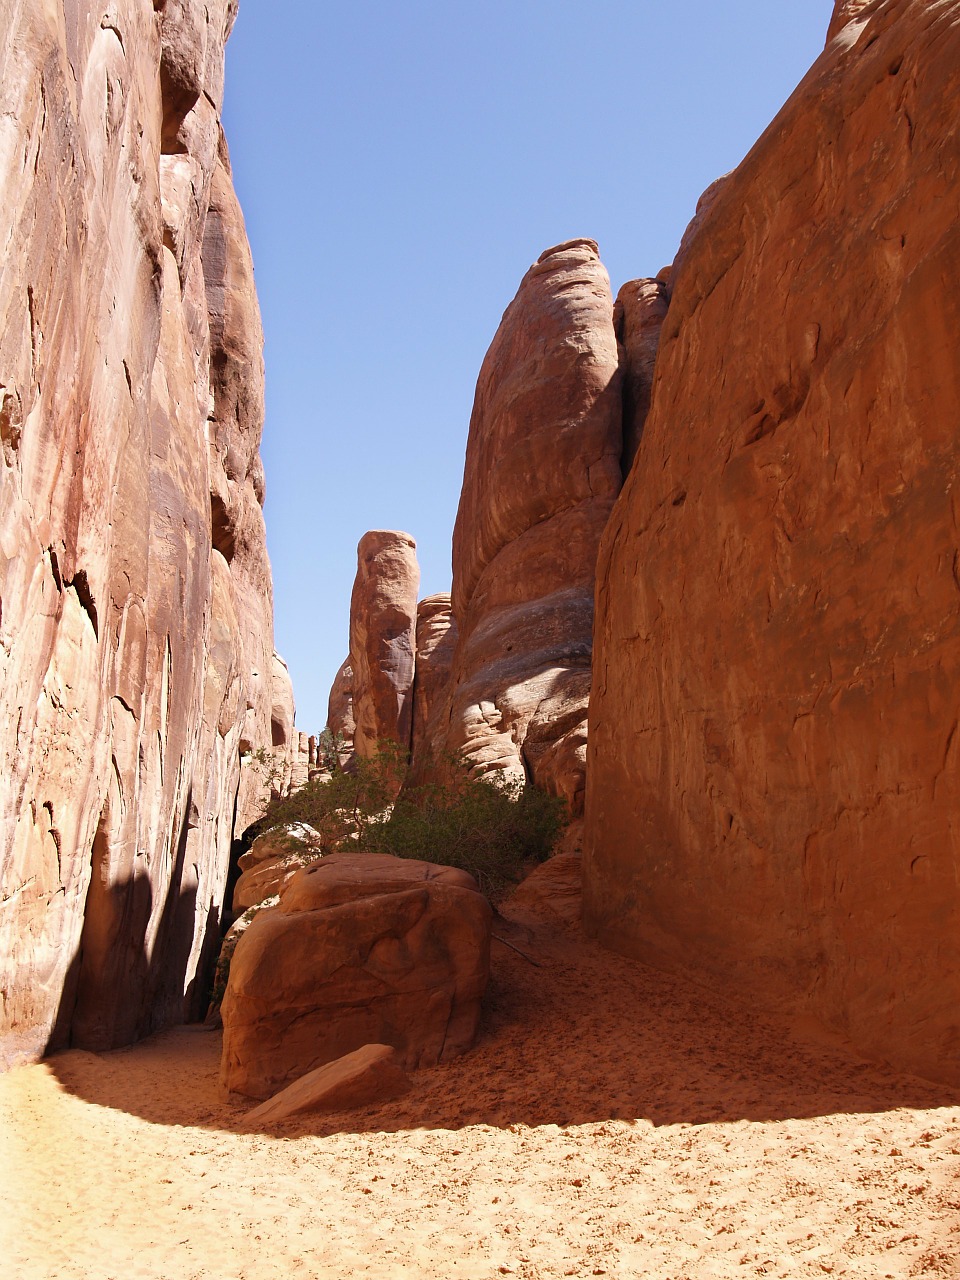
612, 1120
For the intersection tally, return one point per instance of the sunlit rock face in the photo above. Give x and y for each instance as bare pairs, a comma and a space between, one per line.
383, 640
543, 468
773, 787
136, 627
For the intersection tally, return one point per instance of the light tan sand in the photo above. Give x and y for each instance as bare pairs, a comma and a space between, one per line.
611, 1121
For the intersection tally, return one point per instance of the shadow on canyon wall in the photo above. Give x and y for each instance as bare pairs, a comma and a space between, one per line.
582, 1036
117, 989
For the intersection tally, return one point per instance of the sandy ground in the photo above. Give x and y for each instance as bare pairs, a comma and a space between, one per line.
611, 1121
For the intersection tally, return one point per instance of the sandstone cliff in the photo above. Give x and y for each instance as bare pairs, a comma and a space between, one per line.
542, 470
773, 782
136, 627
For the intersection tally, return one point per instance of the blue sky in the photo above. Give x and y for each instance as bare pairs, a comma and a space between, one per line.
400, 166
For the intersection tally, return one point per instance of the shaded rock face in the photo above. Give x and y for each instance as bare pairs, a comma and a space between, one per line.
638, 316
135, 604
383, 622
773, 785
340, 721
364, 948
436, 642
542, 471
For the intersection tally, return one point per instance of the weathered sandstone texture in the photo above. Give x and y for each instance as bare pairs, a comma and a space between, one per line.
436, 642
383, 623
554, 890
364, 948
774, 784
135, 600
638, 316
543, 468
340, 721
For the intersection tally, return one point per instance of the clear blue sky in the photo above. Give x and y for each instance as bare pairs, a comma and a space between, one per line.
400, 166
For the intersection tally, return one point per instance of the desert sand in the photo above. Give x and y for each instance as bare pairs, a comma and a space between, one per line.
612, 1120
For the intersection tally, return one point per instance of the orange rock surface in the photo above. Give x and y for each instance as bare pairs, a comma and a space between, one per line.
383, 639
541, 473
364, 1077
773, 787
137, 633
363, 949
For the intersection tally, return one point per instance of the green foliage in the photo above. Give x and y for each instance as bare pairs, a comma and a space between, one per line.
486, 826
340, 807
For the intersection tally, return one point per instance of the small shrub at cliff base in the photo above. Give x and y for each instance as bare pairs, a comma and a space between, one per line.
492, 829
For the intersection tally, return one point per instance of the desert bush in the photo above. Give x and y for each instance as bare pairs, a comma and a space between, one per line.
487, 826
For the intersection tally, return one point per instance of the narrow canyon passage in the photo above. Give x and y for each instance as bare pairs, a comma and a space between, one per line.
692, 1140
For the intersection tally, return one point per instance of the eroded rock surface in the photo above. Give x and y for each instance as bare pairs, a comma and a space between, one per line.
136, 631
436, 643
638, 316
773, 785
383, 624
364, 948
543, 468
340, 721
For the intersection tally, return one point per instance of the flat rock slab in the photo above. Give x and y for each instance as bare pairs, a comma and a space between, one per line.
368, 1075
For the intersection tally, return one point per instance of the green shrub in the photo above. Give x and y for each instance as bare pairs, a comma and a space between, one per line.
487, 826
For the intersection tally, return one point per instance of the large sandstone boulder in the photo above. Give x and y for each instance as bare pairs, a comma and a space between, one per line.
773, 790
383, 623
543, 468
136, 624
363, 949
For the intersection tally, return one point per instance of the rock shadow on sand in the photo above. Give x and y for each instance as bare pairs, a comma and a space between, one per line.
579, 1036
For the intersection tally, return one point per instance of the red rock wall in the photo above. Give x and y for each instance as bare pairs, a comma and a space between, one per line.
136, 624
773, 786
541, 474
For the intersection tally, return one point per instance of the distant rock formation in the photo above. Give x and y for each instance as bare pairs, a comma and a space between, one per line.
773, 783
136, 634
383, 622
340, 722
436, 642
542, 471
